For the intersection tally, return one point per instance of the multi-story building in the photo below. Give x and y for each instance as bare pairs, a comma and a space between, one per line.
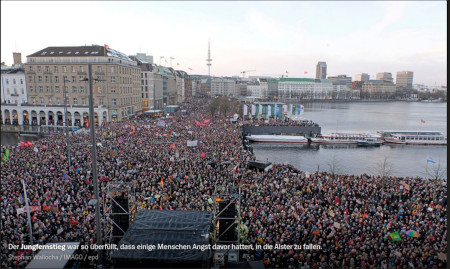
321, 70
377, 89
362, 77
223, 87
304, 88
54, 70
151, 85
404, 80
259, 89
144, 57
385, 76
342, 80
272, 88
13, 85
169, 85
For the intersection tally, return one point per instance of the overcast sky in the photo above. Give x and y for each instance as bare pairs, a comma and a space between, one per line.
269, 37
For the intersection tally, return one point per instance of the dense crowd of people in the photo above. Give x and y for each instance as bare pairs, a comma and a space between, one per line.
352, 218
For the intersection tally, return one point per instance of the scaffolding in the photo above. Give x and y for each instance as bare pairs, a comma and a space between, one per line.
231, 196
114, 191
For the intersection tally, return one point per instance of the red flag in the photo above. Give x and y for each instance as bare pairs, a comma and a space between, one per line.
203, 154
172, 146
422, 121
29, 143
206, 121
73, 222
106, 46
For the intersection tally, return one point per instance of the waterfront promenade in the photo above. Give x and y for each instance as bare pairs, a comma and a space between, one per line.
351, 217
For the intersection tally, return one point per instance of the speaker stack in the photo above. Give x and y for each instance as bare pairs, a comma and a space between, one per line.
226, 219
119, 216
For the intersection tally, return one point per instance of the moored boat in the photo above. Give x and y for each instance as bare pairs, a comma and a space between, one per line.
343, 138
369, 142
277, 138
415, 138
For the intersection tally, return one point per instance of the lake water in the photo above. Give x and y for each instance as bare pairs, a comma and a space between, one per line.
404, 160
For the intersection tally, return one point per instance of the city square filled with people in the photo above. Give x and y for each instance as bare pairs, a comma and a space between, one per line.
359, 221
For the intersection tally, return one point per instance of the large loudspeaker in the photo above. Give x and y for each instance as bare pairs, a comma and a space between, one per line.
229, 212
231, 233
121, 220
224, 224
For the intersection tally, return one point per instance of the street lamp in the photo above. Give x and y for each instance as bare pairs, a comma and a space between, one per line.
65, 119
94, 162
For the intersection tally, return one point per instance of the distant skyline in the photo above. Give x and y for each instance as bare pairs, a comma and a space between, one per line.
270, 37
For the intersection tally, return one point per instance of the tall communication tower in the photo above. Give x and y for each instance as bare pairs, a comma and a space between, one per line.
209, 58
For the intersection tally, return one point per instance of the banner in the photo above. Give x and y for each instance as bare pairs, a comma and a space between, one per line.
161, 123
245, 110
253, 110
285, 108
277, 110
260, 109
269, 112
290, 108
192, 143
32, 208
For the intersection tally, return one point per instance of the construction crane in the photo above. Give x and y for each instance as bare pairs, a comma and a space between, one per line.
243, 72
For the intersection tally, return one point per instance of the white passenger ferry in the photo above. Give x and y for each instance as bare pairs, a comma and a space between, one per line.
415, 138
277, 138
343, 138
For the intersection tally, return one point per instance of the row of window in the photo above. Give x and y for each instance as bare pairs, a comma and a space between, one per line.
15, 91
74, 101
13, 81
426, 138
73, 69
73, 79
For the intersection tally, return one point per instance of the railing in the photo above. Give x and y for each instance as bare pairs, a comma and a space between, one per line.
35, 129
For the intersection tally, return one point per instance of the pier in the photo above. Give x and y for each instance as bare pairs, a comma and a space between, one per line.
307, 131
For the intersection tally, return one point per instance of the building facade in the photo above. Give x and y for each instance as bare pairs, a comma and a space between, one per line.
362, 77
385, 76
304, 88
54, 70
404, 80
223, 87
321, 70
151, 85
13, 85
378, 89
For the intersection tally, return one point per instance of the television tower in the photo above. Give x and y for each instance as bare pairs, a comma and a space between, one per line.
209, 59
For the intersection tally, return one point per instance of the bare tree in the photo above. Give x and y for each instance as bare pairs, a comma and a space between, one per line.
212, 108
383, 168
224, 105
436, 171
335, 166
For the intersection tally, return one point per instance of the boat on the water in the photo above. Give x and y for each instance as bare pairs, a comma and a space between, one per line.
369, 142
277, 138
343, 138
414, 138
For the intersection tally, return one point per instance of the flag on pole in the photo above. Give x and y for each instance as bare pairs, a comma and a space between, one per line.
429, 160
422, 121
106, 46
